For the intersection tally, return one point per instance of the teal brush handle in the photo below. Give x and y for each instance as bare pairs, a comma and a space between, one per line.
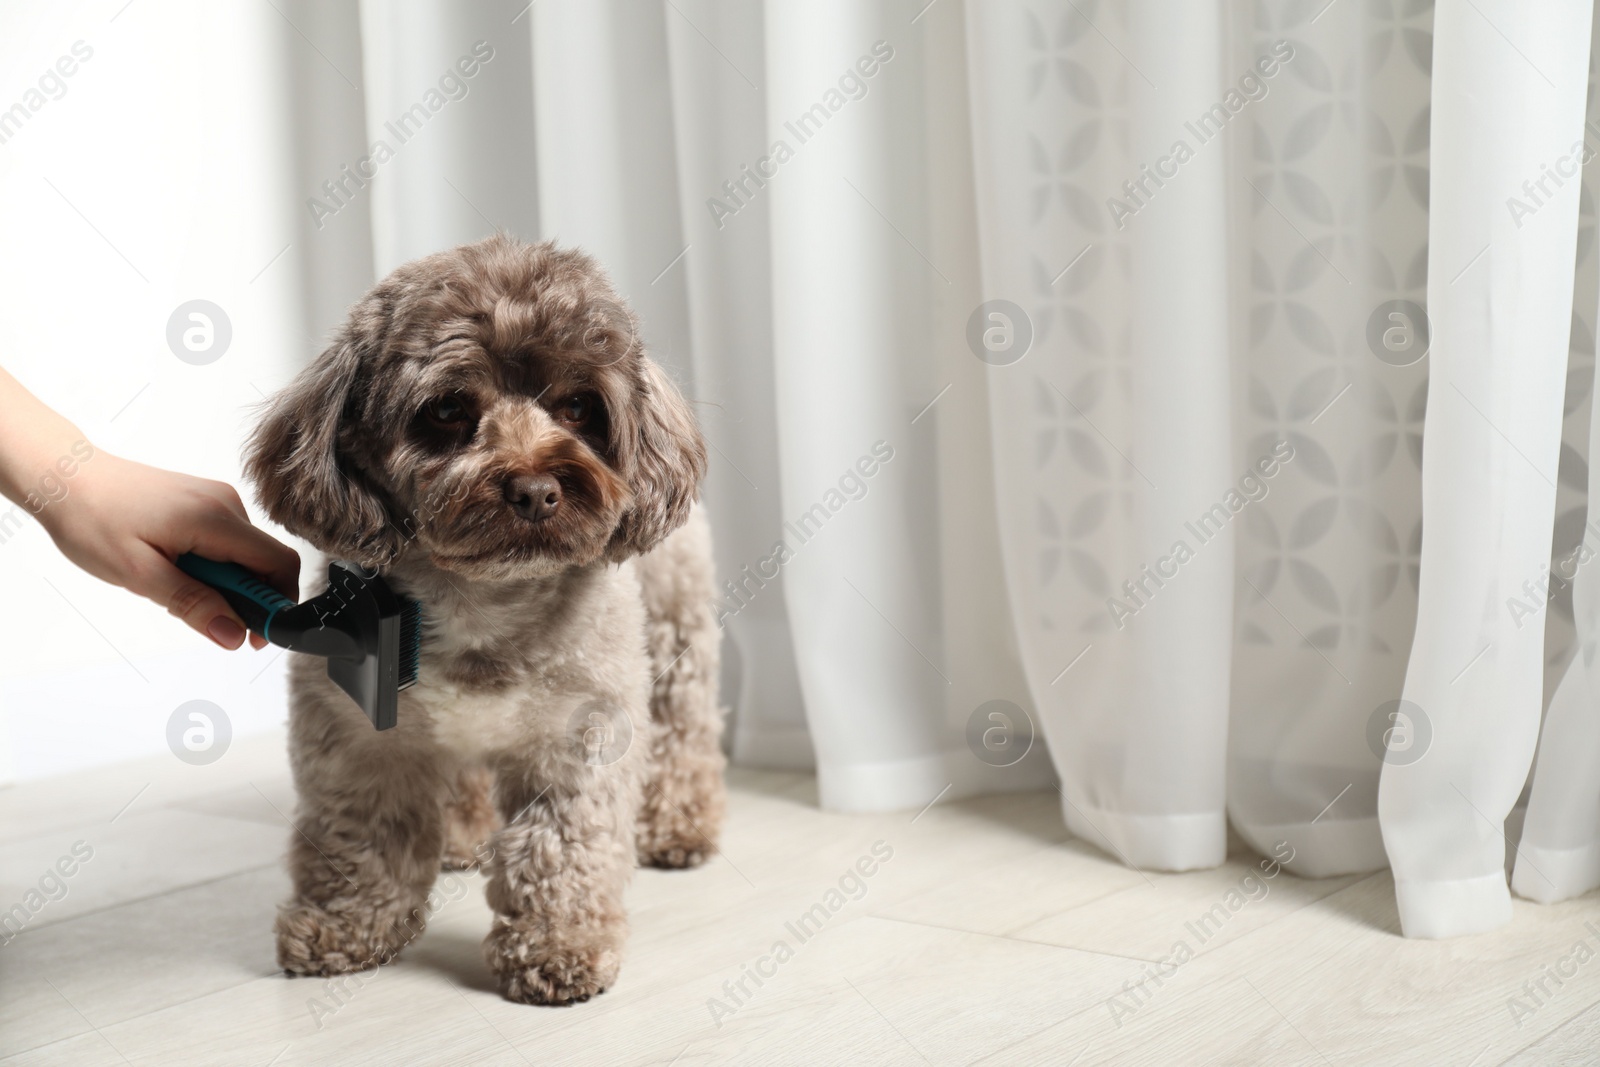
254, 600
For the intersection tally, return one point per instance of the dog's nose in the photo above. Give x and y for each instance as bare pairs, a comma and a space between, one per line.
535, 497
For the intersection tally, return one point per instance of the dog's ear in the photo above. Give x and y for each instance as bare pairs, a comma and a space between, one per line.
303, 478
663, 459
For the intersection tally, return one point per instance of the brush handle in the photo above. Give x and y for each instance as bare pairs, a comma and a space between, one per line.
254, 600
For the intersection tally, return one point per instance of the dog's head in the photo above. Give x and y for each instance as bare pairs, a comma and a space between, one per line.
490, 406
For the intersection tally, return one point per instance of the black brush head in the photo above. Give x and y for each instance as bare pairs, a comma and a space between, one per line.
374, 638
410, 641
370, 636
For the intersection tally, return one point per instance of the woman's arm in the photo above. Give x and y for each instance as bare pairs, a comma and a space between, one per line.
125, 522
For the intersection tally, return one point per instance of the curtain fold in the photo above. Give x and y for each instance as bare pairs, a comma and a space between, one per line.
720, 124
455, 173
607, 169
1065, 371
1558, 855
1113, 431
1491, 448
1330, 277
847, 291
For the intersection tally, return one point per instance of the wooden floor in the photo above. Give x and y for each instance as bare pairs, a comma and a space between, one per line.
983, 935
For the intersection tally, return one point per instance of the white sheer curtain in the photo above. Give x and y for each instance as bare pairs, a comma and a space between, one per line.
1068, 354
1491, 447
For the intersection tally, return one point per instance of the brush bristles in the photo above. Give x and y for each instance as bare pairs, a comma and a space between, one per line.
410, 642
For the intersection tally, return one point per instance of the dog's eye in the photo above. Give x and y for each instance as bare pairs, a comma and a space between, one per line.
448, 412
574, 410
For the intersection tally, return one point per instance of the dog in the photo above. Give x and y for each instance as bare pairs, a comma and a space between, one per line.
488, 433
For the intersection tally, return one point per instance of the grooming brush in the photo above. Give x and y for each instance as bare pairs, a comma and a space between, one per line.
370, 636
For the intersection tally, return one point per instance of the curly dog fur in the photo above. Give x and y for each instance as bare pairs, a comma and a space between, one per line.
487, 431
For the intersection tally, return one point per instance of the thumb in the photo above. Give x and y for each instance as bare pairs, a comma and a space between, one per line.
201, 607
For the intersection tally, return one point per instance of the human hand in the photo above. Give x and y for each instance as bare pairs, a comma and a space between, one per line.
126, 523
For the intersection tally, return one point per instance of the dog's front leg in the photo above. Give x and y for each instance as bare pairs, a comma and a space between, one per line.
557, 876
363, 858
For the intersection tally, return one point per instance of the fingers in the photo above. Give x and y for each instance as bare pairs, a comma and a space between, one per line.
200, 607
220, 531
229, 540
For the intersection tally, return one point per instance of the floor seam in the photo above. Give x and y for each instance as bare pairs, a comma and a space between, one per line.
47, 1044
1562, 1025
33, 928
1296, 911
1008, 937
141, 1015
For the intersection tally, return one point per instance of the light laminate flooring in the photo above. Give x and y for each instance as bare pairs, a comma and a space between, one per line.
987, 935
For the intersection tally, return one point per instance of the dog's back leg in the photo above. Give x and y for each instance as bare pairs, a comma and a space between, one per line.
681, 816
469, 818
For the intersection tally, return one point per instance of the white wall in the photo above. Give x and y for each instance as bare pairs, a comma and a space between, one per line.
156, 178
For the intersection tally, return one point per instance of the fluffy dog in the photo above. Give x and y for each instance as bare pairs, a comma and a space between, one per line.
487, 431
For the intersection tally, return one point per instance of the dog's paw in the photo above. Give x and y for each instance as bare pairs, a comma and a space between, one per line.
676, 855
316, 942
560, 979
668, 836
459, 859
531, 972
681, 819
